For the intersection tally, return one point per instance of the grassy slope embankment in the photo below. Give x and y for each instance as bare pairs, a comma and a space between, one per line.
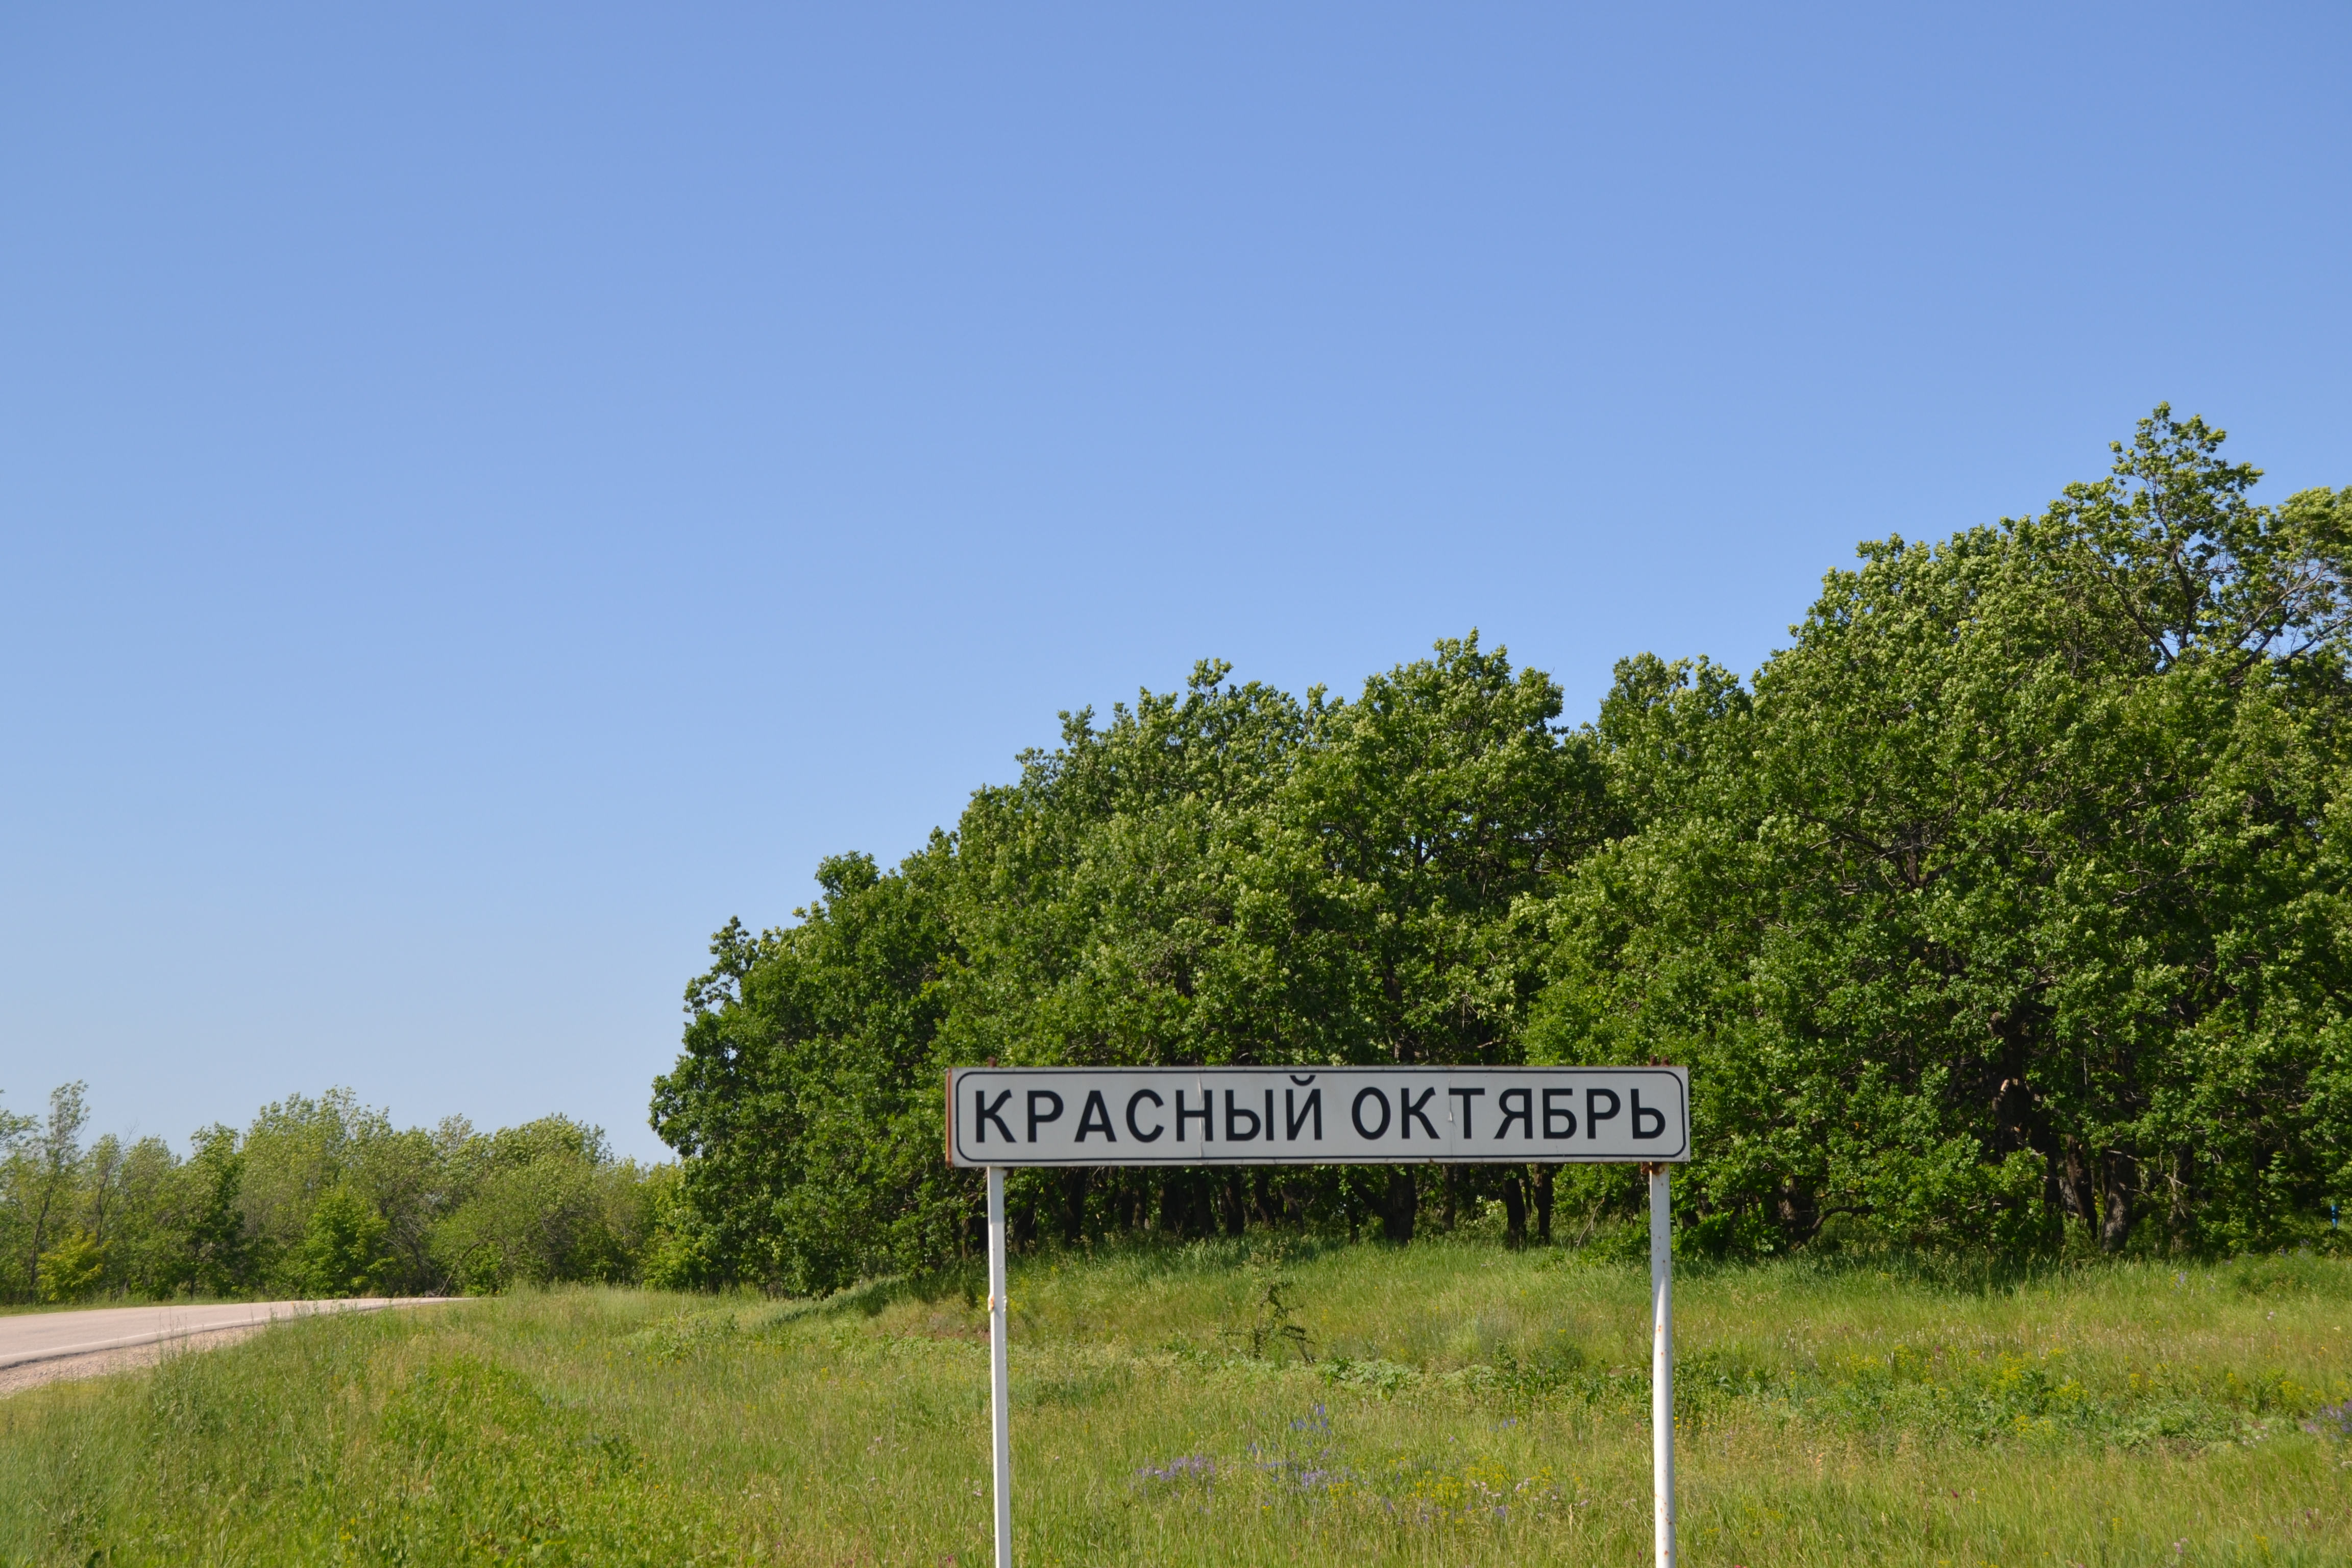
1464, 1406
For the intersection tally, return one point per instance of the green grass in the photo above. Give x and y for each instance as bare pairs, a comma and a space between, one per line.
1462, 1406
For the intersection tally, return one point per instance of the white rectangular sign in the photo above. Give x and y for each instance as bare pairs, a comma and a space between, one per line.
1316, 1116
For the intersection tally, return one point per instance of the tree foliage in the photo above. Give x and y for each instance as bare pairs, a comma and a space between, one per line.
2004, 906
2012, 896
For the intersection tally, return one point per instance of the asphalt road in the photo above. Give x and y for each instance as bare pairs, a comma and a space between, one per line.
49, 1336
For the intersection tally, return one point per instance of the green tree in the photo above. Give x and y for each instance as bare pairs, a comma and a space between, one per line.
216, 1255
15, 1129
1109, 908
73, 1269
2012, 897
144, 1248
547, 1204
1419, 830
38, 1179
1218, 874
2004, 905
806, 1094
345, 1248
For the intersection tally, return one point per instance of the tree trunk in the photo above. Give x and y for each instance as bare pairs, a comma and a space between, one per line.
2073, 1185
1186, 1205
1797, 1213
1400, 1205
40, 1238
2118, 1226
1515, 1210
1074, 1206
1118, 1204
1175, 1190
1543, 1204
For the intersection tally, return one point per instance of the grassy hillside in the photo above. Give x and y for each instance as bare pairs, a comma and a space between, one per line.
1461, 1405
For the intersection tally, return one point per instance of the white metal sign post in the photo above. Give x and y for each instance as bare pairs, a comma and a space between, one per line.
1000, 1414
1004, 1117
1662, 1372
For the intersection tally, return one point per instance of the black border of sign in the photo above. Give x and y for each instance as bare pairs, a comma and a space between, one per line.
1673, 1074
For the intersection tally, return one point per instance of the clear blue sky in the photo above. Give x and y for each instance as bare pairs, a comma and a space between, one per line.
490, 491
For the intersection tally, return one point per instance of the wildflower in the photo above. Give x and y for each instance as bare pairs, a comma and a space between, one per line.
1190, 1465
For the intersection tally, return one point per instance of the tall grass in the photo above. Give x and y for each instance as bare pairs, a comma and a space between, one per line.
1243, 1403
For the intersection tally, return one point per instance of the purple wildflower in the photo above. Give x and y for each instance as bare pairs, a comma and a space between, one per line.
1188, 1467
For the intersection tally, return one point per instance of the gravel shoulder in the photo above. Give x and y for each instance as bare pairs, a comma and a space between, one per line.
49, 1347
127, 1358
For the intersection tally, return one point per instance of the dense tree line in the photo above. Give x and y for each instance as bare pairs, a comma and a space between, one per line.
2005, 907
317, 1197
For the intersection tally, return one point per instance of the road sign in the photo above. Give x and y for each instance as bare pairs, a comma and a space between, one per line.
1003, 1118
1316, 1116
